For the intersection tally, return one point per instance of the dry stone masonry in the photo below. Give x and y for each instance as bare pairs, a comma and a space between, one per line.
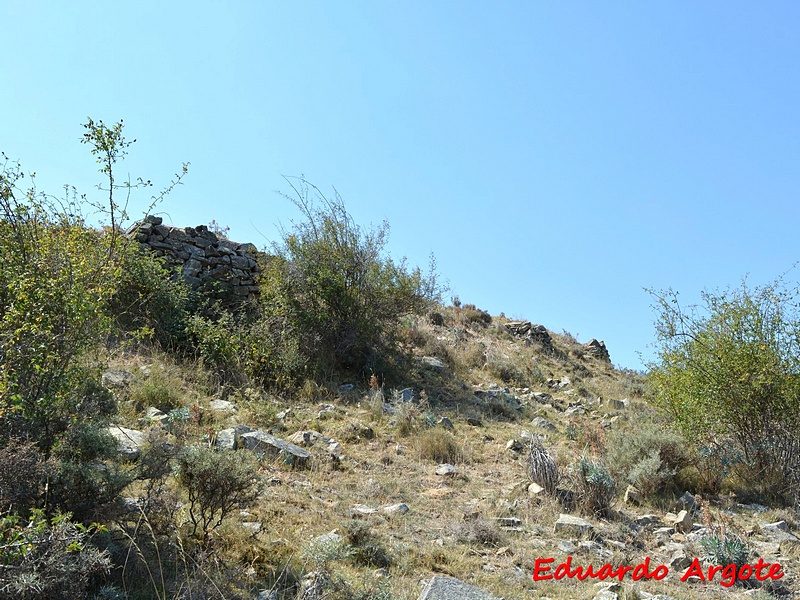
208, 263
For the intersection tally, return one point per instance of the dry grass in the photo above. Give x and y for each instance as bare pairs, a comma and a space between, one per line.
391, 458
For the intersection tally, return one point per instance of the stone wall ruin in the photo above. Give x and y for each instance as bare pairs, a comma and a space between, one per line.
207, 262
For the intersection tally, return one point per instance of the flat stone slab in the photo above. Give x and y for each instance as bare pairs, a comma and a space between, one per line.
433, 363
263, 442
446, 469
222, 406
449, 588
129, 441
118, 379
570, 523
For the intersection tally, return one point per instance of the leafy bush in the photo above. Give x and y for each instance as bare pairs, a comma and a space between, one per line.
149, 301
47, 559
647, 457
56, 276
59, 281
731, 371
337, 289
725, 549
594, 485
84, 472
217, 483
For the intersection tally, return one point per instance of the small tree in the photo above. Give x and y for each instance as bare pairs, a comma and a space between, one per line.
338, 289
730, 372
217, 482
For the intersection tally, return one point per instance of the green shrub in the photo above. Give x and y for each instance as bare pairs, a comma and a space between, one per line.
149, 301
56, 276
59, 281
647, 457
44, 558
725, 549
85, 473
217, 482
594, 486
729, 370
338, 290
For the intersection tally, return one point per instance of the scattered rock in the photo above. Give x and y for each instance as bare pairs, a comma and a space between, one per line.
515, 446
679, 561
509, 523
618, 404
535, 490
683, 522
542, 397
446, 423
406, 394
222, 406
396, 509
543, 423
597, 350
129, 441
449, 588
153, 415
531, 334
346, 387
226, 439
446, 469
632, 495
363, 509
559, 384
118, 379
433, 363
778, 532
687, 502
306, 438
262, 442
570, 523
328, 539
252, 526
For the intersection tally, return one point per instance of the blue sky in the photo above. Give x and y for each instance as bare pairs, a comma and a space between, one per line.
556, 158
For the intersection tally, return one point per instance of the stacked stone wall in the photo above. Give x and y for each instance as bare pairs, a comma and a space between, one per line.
208, 263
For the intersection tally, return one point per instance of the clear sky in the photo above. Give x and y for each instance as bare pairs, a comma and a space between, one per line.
555, 157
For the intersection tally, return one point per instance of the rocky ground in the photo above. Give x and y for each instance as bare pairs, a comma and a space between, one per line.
425, 488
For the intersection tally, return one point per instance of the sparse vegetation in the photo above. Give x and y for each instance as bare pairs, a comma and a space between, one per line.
216, 483
189, 513
730, 372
